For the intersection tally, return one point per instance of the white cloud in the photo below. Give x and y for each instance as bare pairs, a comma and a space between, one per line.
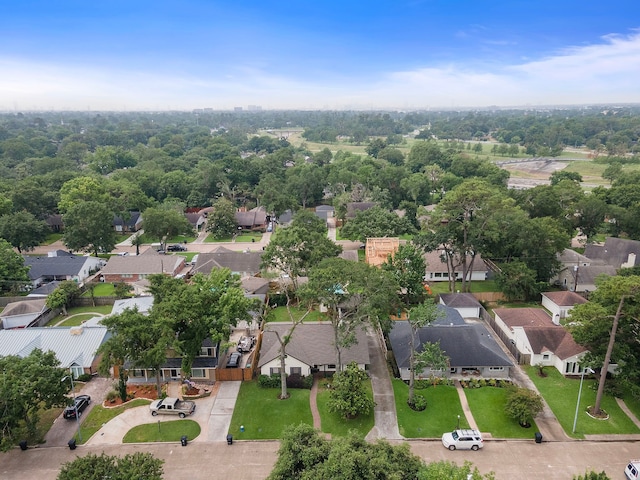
602, 72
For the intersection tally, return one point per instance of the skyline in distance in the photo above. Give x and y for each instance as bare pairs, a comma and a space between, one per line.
406, 55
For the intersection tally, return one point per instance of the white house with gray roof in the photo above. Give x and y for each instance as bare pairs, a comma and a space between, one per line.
60, 265
311, 349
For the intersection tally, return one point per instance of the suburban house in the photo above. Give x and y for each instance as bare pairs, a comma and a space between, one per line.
255, 219
470, 347
353, 208
23, 314
377, 250
466, 304
134, 268
561, 303
245, 264
537, 340
74, 347
196, 219
203, 368
54, 221
437, 269
128, 225
255, 285
324, 212
617, 252
60, 265
310, 350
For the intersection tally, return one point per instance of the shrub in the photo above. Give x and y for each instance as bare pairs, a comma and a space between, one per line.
111, 396
269, 381
419, 403
85, 377
421, 384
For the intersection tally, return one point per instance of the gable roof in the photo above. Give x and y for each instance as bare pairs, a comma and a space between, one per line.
565, 298
134, 218
555, 339
255, 285
434, 262
143, 304
254, 217
147, 263
354, 207
237, 262
25, 307
468, 345
63, 264
312, 344
587, 275
72, 345
524, 317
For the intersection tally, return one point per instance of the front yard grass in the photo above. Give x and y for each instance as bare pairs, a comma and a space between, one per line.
334, 423
100, 415
171, 431
562, 395
263, 415
441, 414
487, 406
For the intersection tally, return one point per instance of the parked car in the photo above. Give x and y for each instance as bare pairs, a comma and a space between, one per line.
177, 248
234, 360
81, 403
632, 471
245, 344
463, 440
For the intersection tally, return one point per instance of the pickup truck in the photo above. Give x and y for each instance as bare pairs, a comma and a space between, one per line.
172, 406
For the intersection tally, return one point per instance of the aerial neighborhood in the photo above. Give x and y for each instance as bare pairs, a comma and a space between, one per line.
402, 288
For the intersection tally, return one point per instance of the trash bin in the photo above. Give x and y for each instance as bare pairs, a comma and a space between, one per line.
183, 440
538, 437
23, 445
72, 444
229, 439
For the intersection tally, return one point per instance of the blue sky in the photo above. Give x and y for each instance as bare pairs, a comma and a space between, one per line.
320, 54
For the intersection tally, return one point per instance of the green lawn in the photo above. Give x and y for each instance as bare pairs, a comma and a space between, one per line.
101, 290
335, 424
280, 314
100, 415
264, 415
487, 405
249, 237
479, 286
163, 432
441, 415
52, 238
76, 320
562, 395
103, 309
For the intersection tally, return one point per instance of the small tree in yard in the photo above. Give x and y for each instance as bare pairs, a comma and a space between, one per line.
348, 396
591, 475
63, 295
523, 405
136, 465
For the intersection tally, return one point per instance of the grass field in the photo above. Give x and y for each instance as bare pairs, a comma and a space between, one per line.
335, 424
562, 395
263, 415
483, 286
441, 415
103, 309
163, 432
101, 290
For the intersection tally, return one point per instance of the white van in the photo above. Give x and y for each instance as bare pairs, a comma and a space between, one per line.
633, 470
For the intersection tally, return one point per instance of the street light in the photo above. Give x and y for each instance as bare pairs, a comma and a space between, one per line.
75, 405
575, 419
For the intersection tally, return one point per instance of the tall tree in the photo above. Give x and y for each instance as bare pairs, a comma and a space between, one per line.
23, 230
138, 339
88, 226
29, 384
165, 221
222, 221
63, 295
418, 317
352, 293
13, 273
407, 266
608, 327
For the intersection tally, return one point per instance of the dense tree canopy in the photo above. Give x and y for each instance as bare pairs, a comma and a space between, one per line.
96, 467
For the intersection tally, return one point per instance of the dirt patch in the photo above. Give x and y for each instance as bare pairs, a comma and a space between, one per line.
135, 391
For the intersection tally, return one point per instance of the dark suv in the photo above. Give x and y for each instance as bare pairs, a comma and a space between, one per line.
234, 360
176, 248
81, 403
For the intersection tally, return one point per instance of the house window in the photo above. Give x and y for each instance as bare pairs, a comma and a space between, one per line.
274, 371
496, 369
545, 356
198, 373
126, 275
453, 370
295, 371
331, 366
206, 352
76, 371
136, 372
570, 367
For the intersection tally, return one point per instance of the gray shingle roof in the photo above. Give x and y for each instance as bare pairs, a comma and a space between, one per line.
313, 344
460, 300
147, 263
615, 251
60, 266
237, 262
469, 345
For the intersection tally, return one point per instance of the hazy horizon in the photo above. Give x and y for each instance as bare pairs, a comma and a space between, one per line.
382, 55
